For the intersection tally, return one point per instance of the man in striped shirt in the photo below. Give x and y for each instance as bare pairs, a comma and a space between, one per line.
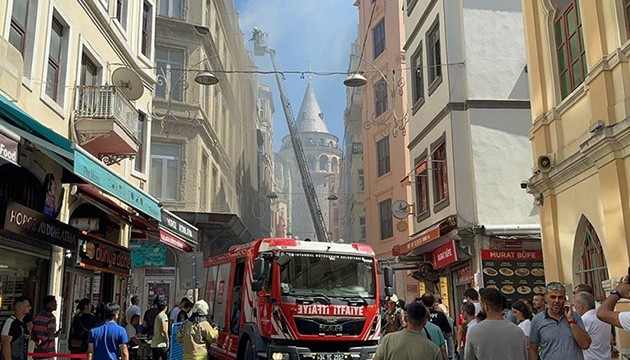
44, 325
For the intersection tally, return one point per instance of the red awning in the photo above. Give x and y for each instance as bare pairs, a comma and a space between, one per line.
103, 200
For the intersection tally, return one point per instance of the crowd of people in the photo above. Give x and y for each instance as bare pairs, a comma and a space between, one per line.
102, 333
547, 327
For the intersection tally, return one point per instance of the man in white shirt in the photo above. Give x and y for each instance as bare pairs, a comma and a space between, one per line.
133, 309
600, 332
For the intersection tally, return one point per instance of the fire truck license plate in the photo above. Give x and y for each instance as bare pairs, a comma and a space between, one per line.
332, 356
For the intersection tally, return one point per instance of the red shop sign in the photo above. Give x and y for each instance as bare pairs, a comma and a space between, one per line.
174, 241
444, 255
512, 255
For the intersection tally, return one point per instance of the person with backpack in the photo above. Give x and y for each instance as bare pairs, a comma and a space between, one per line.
14, 332
82, 323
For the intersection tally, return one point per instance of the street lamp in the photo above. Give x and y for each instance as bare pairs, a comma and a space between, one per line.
399, 123
203, 77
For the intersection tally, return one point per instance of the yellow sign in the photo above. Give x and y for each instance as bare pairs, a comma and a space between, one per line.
402, 226
421, 288
444, 291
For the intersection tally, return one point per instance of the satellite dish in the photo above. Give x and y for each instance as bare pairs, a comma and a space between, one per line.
128, 82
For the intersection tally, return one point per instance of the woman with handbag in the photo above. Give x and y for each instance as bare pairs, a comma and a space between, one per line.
80, 328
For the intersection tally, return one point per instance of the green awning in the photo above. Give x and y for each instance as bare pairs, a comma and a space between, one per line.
14, 115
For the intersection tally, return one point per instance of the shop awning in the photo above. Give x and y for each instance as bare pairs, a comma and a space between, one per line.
77, 160
95, 197
428, 239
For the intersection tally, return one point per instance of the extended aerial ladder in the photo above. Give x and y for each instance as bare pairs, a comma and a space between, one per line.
260, 49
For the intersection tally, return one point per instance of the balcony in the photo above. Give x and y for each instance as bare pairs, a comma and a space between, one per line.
106, 123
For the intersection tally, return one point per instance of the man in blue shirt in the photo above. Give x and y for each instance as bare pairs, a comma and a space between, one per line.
106, 340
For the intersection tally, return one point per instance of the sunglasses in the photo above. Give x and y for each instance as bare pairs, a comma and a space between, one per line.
556, 286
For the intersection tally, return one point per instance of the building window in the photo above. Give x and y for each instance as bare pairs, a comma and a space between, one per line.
440, 180
593, 269
380, 97
172, 8
89, 71
362, 229
121, 12
323, 163
215, 180
170, 63
334, 165
569, 47
385, 216
147, 18
378, 35
361, 180
56, 68
138, 162
422, 187
203, 181
418, 76
434, 53
626, 7
165, 171
382, 151
19, 25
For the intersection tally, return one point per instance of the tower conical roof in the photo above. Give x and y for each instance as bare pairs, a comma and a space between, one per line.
310, 117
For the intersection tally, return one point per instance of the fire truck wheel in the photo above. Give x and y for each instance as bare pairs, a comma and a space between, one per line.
249, 350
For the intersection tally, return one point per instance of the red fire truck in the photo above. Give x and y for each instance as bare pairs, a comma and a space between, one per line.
287, 299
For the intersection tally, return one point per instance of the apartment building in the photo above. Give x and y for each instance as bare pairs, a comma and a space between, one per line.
76, 87
385, 130
205, 157
468, 132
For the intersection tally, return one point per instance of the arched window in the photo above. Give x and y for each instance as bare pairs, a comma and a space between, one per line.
335, 165
593, 269
323, 163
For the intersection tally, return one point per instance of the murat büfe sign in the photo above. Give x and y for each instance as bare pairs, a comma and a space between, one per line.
517, 274
25, 221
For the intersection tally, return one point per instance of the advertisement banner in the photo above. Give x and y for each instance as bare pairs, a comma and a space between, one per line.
148, 255
8, 149
518, 274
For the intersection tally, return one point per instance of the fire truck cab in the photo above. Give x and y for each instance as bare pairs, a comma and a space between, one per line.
287, 299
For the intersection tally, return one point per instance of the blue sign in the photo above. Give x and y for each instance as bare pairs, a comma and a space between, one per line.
114, 185
148, 255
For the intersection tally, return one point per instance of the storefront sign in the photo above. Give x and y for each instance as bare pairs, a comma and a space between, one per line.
107, 257
416, 242
178, 226
8, 149
111, 183
172, 240
148, 255
518, 274
444, 255
25, 221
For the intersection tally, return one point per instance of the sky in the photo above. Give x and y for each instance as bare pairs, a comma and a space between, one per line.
302, 31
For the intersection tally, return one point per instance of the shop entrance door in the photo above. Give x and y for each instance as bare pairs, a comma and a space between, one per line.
78, 284
164, 288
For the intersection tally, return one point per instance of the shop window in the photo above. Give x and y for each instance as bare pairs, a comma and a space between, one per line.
385, 216
593, 269
569, 45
